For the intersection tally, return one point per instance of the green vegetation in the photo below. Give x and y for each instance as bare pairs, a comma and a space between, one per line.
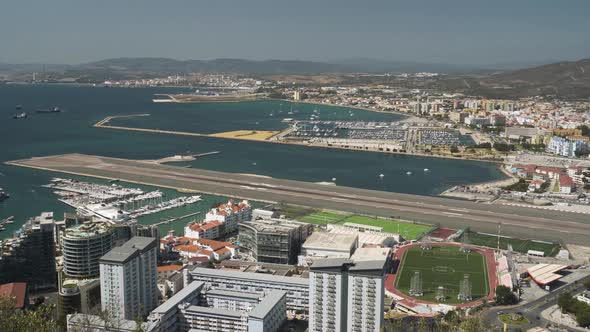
36, 319
503, 147
295, 212
452, 321
519, 245
443, 266
522, 185
322, 218
505, 296
408, 231
514, 319
579, 309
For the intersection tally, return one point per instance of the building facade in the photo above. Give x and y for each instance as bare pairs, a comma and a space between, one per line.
273, 240
346, 295
83, 246
128, 278
297, 289
29, 256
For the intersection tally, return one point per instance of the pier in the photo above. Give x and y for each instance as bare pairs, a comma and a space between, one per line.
518, 221
167, 221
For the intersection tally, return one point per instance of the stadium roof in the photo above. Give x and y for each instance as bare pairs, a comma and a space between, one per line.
544, 274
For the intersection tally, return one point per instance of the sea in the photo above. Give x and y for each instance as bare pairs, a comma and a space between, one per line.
72, 131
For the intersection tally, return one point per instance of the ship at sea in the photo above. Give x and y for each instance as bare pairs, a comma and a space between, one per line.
3, 195
50, 110
21, 115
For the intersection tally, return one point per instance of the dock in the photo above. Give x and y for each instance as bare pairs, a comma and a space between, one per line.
518, 221
167, 221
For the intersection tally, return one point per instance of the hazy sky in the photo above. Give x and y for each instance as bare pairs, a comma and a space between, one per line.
435, 31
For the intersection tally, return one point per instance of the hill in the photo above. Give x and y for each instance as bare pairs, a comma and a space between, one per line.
569, 79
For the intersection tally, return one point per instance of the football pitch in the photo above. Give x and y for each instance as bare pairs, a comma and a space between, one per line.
443, 266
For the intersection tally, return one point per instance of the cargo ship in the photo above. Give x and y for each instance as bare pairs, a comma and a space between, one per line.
51, 110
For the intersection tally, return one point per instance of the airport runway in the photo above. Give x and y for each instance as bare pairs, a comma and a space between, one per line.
526, 222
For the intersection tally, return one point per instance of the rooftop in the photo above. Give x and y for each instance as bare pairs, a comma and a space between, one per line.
267, 304
256, 277
130, 249
332, 241
18, 290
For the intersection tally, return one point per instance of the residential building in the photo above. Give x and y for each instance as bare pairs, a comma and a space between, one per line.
83, 246
566, 184
197, 308
230, 214
297, 288
567, 148
273, 240
29, 256
206, 230
347, 294
128, 278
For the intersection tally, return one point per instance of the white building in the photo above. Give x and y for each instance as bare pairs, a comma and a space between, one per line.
84, 245
347, 294
327, 245
231, 214
128, 278
197, 308
297, 289
565, 147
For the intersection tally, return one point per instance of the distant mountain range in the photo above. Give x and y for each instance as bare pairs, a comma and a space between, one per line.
566, 79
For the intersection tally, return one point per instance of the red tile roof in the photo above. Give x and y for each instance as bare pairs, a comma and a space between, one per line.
169, 268
223, 251
18, 290
566, 181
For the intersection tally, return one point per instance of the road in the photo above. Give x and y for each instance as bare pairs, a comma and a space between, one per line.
540, 224
532, 311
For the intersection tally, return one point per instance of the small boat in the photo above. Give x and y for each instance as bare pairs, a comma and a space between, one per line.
381, 175
408, 173
333, 179
426, 170
22, 115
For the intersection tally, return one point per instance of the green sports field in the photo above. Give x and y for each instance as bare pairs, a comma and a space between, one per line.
322, 218
519, 245
408, 231
443, 266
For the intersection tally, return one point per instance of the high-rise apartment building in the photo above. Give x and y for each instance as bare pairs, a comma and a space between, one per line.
128, 278
347, 294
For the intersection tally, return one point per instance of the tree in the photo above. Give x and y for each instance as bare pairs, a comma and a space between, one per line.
454, 149
587, 285
565, 301
505, 296
583, 318
38, 319
473, 324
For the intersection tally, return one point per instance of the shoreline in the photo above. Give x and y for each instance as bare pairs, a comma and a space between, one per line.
104, 125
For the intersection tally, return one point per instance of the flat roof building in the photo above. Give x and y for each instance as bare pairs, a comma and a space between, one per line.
273, 240
296, 288
197, 308
128, 278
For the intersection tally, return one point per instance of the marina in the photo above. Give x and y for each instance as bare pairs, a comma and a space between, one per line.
114, 202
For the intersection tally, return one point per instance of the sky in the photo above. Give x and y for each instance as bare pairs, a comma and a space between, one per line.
426, 31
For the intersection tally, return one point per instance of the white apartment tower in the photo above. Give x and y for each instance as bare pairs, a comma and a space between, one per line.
346, 295
128, 279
